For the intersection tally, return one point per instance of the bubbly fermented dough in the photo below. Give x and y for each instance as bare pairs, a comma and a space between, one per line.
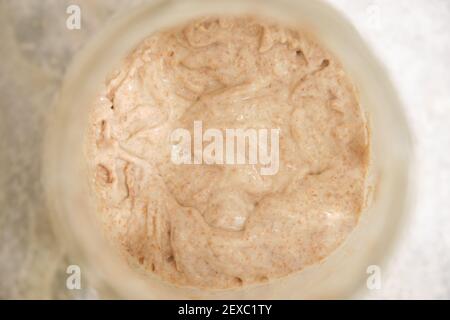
223, 226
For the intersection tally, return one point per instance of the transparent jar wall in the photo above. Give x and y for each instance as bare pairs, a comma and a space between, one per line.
67, 184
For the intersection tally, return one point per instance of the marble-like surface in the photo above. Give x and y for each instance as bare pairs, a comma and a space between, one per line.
411, 37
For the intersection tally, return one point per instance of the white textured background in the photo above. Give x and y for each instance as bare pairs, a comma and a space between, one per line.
411, 37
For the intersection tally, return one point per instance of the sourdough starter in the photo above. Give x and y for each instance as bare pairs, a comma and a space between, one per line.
222, 226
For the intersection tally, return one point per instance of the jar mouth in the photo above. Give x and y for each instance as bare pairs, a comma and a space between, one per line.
65, 171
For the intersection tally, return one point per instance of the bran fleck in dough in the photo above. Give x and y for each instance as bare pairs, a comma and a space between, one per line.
217, 226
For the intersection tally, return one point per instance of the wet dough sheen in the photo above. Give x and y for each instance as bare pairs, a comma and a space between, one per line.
216, 226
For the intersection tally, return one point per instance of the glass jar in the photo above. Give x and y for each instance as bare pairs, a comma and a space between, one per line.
67, 183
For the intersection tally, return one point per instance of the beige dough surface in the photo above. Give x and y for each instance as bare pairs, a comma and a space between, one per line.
223, 226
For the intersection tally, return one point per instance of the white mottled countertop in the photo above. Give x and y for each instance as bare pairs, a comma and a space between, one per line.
412, 39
